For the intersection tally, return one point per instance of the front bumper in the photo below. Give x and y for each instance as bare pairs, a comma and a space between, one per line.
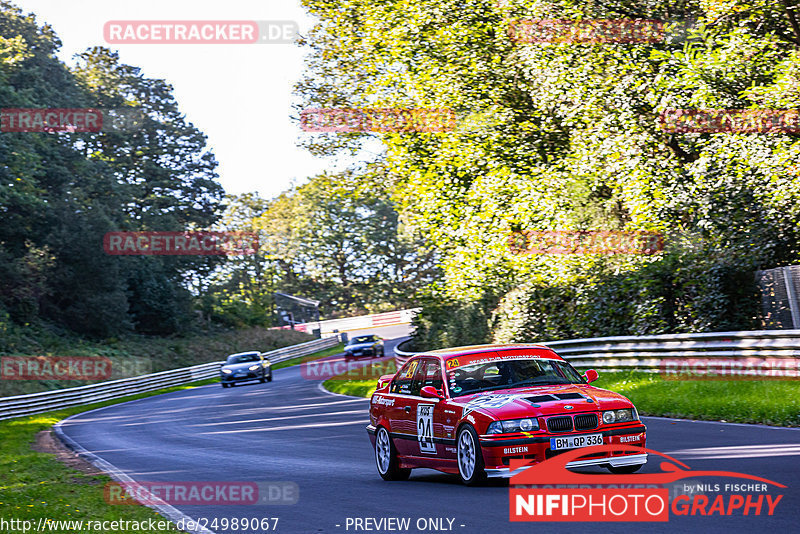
251, 375
361, 353
613, 461
498, 452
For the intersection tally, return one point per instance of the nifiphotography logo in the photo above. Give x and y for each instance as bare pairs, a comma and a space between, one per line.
549, 491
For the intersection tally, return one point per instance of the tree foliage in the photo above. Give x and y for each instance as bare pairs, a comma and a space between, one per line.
337, 239
61, 192
567, 136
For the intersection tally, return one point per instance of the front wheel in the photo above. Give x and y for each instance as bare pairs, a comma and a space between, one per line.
386, 458
224, 385
470, 457
269, 377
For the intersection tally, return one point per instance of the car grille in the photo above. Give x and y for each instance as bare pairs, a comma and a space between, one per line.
586, 421
559, 424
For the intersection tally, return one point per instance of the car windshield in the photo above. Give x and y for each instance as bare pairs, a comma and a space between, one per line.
363, 339
242, 358
502, 374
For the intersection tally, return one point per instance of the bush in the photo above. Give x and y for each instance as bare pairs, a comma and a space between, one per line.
452, 324
682, 290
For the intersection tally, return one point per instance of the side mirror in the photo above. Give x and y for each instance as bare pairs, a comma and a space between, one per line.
590, 376
429, 392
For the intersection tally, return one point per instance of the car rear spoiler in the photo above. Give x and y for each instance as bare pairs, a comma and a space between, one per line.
384, 381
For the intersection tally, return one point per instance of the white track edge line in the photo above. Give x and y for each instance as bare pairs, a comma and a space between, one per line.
170, 512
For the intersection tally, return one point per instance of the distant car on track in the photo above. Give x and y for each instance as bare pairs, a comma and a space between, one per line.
368, 346
243, 367
471, 410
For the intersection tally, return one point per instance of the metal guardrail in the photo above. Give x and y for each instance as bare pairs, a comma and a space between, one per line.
46, 401
356, 323
647, 353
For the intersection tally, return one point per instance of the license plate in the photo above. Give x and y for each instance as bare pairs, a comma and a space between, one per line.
573, 442
241, 373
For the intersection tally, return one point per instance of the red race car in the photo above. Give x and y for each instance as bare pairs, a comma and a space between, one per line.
471, 410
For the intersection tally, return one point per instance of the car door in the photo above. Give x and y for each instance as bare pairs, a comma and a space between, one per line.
432, 415
401, 421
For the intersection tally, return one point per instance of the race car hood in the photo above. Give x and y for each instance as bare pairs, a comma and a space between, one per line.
518, 403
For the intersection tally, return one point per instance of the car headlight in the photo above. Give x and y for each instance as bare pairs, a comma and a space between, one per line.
620, 416
227, 371
513, 425
253, 368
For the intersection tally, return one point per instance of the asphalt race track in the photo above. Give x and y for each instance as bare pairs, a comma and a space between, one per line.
291, 430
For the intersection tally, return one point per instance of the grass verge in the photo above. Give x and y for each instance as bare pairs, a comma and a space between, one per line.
316, 356
357, 387
139, 355
768, 402
34, 485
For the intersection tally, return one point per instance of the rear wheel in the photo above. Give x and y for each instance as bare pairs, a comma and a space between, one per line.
269, 377
470, 457
224, 385
624, 469
386, 458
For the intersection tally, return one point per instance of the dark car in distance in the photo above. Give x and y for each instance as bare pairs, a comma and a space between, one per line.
243, 367
368, 346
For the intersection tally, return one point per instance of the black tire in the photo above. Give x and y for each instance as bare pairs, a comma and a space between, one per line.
224, 385
269, 377
262, 379
469, 453
386, 459
624, 469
